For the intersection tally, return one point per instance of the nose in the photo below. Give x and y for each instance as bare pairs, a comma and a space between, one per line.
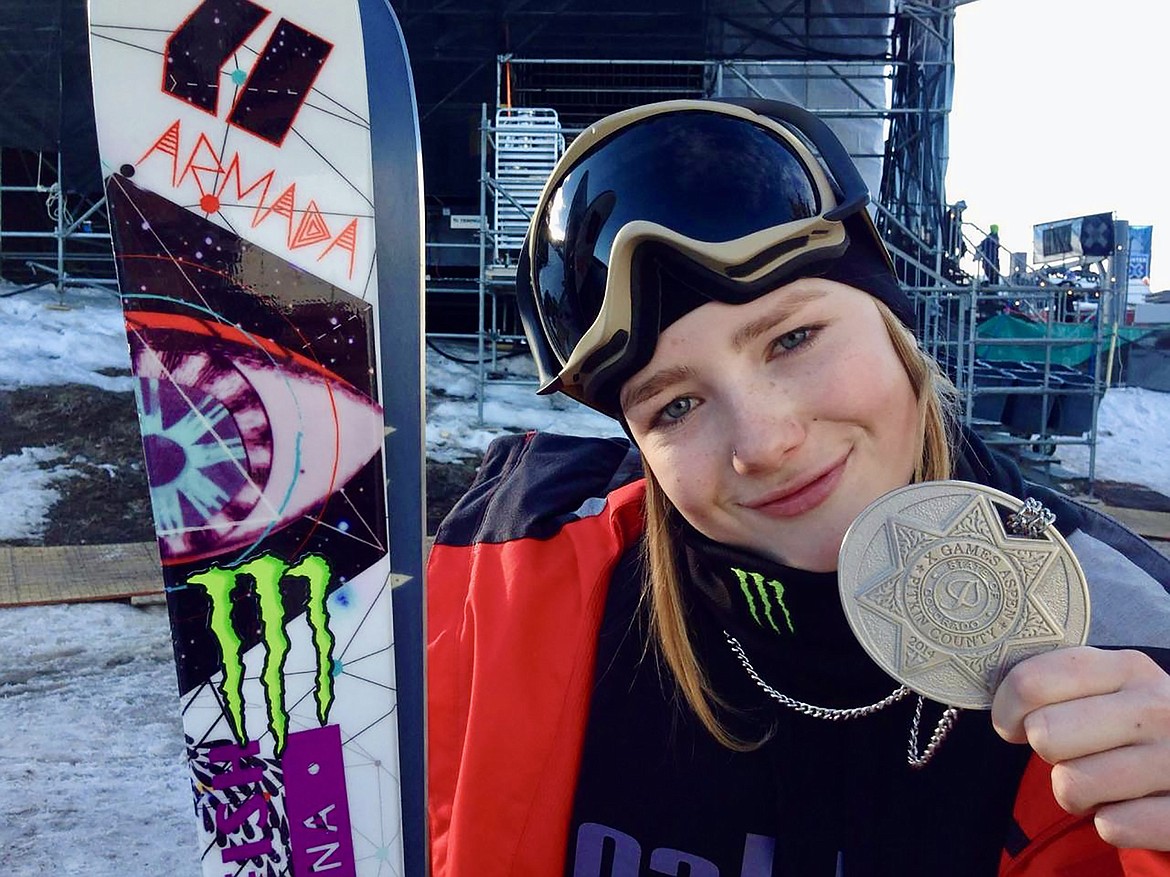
767, 428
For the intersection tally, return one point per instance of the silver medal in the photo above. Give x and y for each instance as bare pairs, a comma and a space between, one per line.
947, 600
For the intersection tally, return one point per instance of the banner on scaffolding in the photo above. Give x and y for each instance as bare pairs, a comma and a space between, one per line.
1140, 240
1088, 237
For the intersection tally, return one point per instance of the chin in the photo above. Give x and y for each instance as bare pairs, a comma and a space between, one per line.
816, 559
816, 547
815, 563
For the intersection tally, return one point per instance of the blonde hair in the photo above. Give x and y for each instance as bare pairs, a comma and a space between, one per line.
665, 591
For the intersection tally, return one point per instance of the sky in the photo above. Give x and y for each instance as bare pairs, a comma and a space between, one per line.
1059, 110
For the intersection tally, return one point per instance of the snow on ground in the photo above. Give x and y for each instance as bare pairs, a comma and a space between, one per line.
454, 430
40, 344
26, 484
1132, 427
92, 778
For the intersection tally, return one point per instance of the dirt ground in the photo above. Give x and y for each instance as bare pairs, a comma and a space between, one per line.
97, 432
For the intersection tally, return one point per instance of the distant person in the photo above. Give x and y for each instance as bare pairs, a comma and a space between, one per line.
989, 255
953, 246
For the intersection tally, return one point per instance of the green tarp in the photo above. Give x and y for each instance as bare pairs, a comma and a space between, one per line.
1061, 353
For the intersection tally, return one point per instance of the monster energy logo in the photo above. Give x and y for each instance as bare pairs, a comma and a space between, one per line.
755, 588
268, 573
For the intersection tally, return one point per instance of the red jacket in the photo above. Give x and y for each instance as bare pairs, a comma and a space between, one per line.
510, 669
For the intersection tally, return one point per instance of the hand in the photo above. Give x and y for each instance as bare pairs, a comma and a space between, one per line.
1102, 720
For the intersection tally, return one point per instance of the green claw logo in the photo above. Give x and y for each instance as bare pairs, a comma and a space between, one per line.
268, 573
755, 587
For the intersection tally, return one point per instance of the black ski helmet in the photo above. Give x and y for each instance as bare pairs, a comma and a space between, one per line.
659, 209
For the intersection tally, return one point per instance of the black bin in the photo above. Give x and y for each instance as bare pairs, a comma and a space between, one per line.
1073, 411
989, 405
1029, 413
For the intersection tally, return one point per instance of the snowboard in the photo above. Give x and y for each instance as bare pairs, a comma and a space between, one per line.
263, 180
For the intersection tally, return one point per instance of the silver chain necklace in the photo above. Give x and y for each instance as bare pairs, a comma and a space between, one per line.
913, 757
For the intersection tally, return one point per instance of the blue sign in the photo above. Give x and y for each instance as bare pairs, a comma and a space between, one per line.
1140, 239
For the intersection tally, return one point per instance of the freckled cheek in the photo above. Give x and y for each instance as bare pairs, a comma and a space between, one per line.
690, 481
867, 389
839, 392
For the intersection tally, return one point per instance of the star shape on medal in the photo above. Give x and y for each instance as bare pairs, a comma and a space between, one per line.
966, 599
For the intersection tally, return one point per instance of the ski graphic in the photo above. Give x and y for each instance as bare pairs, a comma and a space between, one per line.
266, 218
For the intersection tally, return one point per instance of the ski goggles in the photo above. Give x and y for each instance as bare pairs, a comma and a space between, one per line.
730, 200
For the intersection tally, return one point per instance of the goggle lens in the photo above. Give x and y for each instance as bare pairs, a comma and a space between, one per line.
708, 176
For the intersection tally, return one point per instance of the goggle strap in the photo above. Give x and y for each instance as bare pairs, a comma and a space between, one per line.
848, 208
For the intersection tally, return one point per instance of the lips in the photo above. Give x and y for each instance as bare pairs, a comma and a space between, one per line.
801, 496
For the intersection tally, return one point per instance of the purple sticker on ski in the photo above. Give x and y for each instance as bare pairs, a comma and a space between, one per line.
316, 803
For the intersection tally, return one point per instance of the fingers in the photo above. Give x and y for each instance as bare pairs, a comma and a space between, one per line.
1075, 728
1082, 784
1065, 675
1102, 720
1138, 824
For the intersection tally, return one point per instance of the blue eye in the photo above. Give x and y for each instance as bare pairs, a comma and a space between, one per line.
792, 340
678, 408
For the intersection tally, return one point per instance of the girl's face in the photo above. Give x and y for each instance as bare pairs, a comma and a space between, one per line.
771, 425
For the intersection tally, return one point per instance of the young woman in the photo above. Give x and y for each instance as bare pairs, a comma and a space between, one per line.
654, 675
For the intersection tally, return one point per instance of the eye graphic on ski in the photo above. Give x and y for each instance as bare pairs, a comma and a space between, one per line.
226, 423
268, 576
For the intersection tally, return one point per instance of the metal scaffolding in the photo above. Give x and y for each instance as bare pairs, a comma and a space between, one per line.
50, 236
904, 92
